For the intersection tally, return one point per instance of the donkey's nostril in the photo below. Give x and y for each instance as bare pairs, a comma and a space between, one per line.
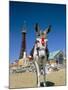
42, 57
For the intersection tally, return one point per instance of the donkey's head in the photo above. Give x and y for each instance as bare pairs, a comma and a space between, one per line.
41, 39
41, 36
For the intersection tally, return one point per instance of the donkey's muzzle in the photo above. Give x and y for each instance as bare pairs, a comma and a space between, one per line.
42, 57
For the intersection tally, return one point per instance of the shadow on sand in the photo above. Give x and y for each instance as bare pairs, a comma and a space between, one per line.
48, 84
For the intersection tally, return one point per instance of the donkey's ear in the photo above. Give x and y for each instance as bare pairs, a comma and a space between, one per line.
37, 28
47, 30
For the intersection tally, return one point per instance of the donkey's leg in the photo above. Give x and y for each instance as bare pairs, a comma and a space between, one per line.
44, 76
38, 73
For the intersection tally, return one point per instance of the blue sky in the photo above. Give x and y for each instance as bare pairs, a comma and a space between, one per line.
44, 14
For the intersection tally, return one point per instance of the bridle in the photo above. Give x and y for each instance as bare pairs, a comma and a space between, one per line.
40, 45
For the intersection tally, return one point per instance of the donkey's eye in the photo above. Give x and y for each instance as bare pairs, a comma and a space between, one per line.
37, 41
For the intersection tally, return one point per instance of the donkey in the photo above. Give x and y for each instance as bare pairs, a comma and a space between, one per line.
40, 52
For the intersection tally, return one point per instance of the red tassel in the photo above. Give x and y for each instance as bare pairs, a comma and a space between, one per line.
42, 41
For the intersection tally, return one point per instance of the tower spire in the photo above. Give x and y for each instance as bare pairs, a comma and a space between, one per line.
23, 45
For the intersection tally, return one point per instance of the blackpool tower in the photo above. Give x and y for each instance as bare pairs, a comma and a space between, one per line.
23, 45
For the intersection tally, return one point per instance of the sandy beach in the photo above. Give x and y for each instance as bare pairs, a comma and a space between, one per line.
28, 79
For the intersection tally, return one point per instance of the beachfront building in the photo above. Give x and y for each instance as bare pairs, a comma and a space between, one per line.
56, 57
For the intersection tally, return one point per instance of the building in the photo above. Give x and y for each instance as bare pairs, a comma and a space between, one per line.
56, 57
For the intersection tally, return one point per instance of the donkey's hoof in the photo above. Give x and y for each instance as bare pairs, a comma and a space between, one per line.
42, 84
